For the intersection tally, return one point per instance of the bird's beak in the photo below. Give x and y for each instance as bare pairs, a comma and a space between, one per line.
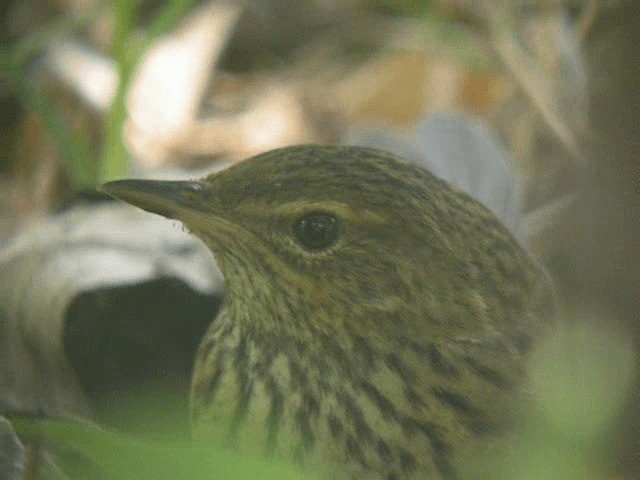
171, 199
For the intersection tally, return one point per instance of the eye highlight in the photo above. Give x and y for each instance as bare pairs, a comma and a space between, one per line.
317, 230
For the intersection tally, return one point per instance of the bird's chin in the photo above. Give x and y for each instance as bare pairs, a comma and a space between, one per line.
219, 235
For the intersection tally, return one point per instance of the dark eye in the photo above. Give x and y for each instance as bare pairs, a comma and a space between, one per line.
317, 230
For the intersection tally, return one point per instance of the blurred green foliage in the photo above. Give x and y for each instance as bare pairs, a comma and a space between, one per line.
582, 375
108, 455
87, 168
74, 148
126, 51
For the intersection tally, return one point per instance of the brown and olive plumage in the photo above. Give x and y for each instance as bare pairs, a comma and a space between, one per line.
376, 320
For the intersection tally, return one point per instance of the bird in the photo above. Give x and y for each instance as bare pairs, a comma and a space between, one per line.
377, 320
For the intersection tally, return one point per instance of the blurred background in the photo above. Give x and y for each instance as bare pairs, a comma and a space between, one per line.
93, 90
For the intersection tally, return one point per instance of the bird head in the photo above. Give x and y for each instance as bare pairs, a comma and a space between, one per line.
348, 237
